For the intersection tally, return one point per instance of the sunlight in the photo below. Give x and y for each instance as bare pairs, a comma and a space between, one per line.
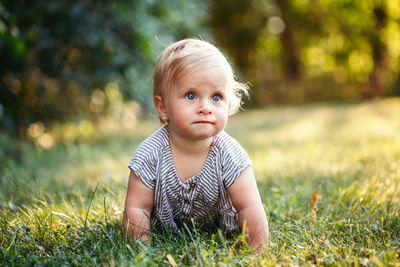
393, 8
46, 140
85, 128
309, 140
113, 93
391, 35
276, 25
337, 41
375, 122
107, 169
309, 127
360, 62
383, 189
266, 162
303, 129
42, 138
315, 55
36, 129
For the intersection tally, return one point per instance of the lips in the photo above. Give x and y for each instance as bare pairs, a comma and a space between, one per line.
203, 122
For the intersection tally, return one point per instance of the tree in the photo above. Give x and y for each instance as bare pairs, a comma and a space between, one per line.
56, 54
302, 50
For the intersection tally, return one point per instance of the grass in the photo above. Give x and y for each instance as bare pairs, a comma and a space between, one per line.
328, 174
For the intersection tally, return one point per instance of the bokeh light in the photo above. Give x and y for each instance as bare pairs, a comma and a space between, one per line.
276, 25
35, 130
46, 141
113, 93
85, 128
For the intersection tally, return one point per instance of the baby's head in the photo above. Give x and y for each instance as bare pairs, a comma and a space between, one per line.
187, 55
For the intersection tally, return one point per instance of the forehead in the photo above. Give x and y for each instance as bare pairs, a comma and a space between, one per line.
213, 76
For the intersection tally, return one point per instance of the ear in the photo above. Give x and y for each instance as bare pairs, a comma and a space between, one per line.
160, 105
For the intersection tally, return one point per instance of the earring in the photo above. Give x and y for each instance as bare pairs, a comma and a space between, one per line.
164, 118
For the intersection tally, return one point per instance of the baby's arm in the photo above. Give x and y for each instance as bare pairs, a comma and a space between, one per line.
138, 206
246, 200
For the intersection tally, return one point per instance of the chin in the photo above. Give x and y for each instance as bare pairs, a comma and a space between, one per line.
206, 135
201, 136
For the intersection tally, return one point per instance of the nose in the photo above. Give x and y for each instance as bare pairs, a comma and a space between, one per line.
204, 108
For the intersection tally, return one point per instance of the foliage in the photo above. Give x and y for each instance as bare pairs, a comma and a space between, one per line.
68, 57
307, 50
328, 175
81, 60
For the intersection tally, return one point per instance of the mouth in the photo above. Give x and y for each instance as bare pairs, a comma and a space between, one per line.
203, 122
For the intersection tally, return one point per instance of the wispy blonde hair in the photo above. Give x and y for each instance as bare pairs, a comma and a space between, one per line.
186, 54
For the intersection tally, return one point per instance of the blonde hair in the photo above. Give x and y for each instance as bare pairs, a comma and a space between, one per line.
186, 54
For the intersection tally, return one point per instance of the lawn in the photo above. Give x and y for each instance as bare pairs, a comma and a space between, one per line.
328, 175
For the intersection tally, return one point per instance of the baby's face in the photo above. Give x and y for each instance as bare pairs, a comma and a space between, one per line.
198, 106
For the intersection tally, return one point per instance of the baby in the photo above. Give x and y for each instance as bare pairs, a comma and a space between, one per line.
191, 171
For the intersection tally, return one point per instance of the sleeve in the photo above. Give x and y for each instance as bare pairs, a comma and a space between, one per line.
234, 161
144, 166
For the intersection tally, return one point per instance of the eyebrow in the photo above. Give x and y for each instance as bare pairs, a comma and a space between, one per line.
195, 90
221, 90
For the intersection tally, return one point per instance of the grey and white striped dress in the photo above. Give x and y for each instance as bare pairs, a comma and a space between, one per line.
202, 198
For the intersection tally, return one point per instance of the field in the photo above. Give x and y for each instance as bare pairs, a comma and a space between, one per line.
328, 175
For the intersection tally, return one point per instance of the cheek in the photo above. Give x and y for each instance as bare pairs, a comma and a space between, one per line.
179, 112
223, 114
225, 110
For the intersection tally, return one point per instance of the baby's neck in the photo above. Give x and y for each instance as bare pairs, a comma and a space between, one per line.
190, 147
189, 157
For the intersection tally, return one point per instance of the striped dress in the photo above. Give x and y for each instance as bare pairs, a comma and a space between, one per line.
202, 199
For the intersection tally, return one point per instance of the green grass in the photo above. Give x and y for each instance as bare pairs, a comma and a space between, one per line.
328, 174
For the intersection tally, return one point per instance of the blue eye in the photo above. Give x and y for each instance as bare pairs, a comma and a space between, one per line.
190, 96
216, 98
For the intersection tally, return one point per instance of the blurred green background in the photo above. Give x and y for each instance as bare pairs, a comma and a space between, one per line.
69, 67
